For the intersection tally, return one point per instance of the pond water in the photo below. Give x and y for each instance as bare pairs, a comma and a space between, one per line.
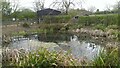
73, 44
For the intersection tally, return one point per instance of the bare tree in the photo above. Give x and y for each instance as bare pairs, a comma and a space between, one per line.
108, 7
92, 8
15, 5
65, 4
38, 4
15, 8
80, 3
116, 6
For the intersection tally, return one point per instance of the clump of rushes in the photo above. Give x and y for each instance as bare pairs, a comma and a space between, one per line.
107, 58
44, 59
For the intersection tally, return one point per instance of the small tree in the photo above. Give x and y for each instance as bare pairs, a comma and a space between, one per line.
26, 14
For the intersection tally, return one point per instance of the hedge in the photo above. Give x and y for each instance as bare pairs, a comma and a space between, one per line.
87, 20
103, 19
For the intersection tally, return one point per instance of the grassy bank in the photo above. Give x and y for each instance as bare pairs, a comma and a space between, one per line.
43, 58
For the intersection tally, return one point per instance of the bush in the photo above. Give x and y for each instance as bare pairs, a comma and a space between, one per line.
26, 25
57, 19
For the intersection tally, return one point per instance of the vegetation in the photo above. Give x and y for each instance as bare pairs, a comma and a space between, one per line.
107, 58
43, 58
106, 21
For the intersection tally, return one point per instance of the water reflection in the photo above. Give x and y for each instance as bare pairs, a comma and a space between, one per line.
83, 49
77, 49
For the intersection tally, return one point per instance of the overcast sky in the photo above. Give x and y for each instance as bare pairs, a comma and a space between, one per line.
99, 4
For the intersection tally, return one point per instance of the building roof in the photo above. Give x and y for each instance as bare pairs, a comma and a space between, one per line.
48, 11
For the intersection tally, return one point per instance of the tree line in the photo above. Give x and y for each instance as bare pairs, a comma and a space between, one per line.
12, 10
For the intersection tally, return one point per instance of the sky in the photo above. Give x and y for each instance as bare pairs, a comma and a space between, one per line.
99, 4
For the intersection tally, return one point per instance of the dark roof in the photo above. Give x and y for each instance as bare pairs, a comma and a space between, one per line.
48, 12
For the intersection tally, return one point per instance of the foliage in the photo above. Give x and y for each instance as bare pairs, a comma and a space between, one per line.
85, 20
100, 19
6, 8
26, 14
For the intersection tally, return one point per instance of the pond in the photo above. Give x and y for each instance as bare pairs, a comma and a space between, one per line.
65, 42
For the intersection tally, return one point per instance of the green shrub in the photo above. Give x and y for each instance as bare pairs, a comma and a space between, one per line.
57, 19
100, 26
103, 19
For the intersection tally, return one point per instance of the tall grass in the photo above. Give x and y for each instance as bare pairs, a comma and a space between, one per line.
44, 59
108, 58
